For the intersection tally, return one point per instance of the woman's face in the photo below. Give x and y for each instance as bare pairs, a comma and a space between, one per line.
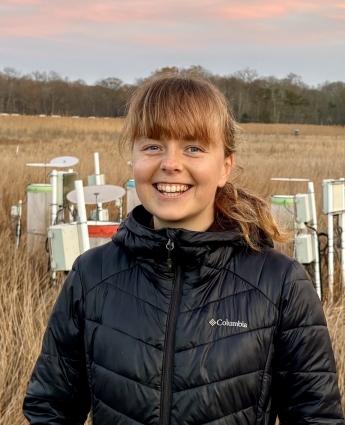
176, 180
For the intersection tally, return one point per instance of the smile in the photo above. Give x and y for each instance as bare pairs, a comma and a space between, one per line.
172, 189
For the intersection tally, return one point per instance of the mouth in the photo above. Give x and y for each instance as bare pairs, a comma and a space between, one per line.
172, 190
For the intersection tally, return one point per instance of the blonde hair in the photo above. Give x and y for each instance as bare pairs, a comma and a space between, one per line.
189, 107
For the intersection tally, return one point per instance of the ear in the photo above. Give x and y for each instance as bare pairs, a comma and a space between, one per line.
229, 162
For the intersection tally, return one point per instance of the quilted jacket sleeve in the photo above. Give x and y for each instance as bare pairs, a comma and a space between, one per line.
58, 391
307, 390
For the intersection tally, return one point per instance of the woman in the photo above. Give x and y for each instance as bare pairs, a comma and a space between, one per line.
189, 316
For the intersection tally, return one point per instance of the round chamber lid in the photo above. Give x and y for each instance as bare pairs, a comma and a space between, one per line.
64, 161
98, 194
59, 162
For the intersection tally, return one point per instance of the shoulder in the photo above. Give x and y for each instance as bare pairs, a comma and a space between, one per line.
98, 264
268, 271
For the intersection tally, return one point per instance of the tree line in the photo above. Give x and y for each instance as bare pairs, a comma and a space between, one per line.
254, 98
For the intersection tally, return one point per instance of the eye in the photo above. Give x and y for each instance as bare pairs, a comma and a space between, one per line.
151, 148
194, 149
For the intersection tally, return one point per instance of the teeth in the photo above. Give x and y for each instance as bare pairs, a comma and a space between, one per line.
172, 189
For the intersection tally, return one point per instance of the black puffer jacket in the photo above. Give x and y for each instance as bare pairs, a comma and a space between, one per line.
225, 336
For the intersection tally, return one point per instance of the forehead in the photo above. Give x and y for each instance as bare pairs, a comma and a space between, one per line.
177, 111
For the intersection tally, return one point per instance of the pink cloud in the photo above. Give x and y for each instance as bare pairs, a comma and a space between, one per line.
155, 22
340, 14
20, 2
336, 16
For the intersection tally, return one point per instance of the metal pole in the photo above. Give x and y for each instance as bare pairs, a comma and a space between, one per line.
98, 179
315, 238
82, 220
330, 246
342, 225
71, 207
54, 208
54, 204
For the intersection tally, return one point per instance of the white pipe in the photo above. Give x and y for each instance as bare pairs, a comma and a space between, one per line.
54, 204
98, 179
54, 209
342, 225
315, 238
60, 195
82, 220
71, 207
97, 168
330, 246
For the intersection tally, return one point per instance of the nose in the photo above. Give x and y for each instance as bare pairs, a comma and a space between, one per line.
172, 161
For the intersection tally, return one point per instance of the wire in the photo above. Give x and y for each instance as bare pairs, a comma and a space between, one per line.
57, 220
287, 209
320, 252
74, 212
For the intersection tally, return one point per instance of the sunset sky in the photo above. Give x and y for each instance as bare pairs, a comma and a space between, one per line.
129, 39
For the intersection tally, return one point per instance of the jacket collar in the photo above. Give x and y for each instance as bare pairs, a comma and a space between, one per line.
199, 254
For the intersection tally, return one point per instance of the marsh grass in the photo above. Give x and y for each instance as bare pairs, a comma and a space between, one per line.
26, 295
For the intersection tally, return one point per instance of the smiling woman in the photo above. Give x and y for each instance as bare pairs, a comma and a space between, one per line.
189, 315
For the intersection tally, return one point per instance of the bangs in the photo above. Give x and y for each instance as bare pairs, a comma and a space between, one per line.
174, 108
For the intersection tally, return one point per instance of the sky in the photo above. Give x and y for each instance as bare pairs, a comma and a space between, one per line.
129, 39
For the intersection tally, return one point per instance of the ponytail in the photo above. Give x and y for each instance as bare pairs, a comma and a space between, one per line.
251, 214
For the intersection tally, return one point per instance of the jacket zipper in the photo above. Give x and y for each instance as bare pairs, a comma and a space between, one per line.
168, 362
169, 246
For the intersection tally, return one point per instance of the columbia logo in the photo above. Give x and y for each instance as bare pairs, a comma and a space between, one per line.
212, 322
226, 322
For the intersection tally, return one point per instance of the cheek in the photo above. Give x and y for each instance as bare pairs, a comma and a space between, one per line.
215, 171
142, 176
139, 170
136, 173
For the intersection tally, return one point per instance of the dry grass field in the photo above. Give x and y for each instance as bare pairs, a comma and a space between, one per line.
26, 295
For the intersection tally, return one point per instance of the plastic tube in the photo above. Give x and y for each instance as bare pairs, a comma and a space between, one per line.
97, 168
315, 238
330, 247
342, 225
54, 204
98, 180
342, 244
82, 220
